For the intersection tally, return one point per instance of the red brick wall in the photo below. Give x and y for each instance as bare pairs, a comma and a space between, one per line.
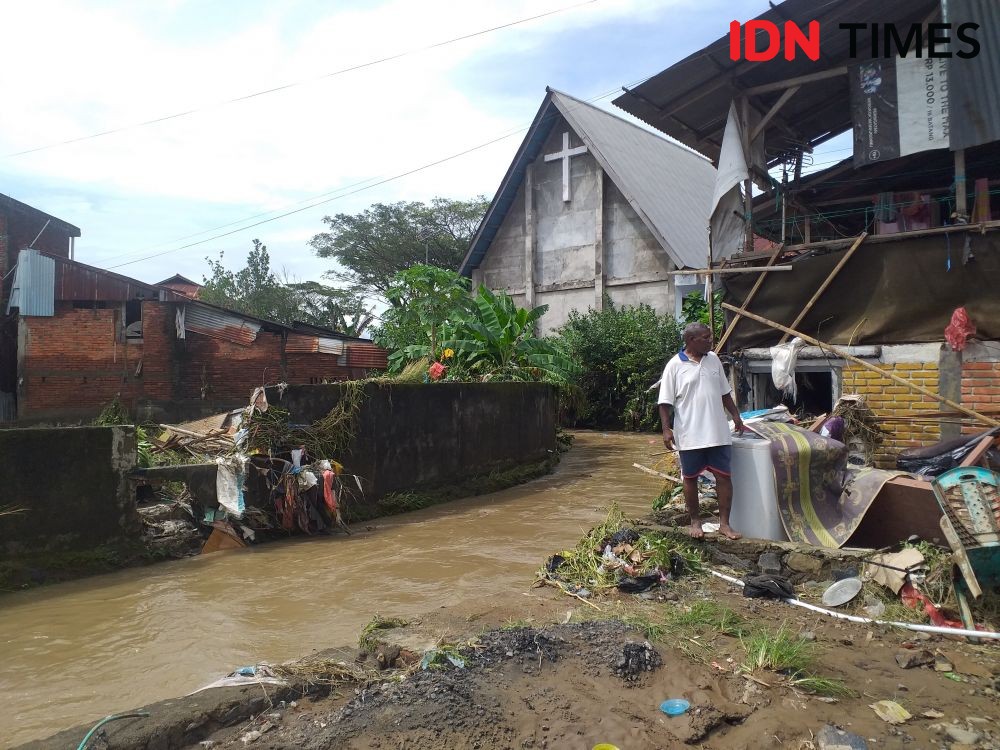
74, 364
308, 369
216, 370
980, 388
74, 360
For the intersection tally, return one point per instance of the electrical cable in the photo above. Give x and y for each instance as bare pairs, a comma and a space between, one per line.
105, 720
295, 84
337, 196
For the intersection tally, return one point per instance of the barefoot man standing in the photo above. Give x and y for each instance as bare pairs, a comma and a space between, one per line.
694, 398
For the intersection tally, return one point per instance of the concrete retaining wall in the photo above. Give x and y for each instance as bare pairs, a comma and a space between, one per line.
72, 483
412, 436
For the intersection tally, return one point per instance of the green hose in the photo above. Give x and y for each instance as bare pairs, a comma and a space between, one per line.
104, 721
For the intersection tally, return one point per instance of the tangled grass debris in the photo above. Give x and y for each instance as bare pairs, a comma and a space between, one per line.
614, 549
369, 638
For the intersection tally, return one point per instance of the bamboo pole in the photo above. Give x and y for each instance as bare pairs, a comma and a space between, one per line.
867, 365
826, 282
746, 303
656, 473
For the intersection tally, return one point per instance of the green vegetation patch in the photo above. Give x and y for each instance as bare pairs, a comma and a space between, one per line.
371, 633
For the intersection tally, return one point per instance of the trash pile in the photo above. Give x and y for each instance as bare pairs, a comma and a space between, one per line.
288, 470
617, 555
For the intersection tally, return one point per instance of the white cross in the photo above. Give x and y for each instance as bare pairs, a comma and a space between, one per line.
565, 155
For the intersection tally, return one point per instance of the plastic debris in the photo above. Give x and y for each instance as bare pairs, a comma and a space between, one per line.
674, 706
890, 711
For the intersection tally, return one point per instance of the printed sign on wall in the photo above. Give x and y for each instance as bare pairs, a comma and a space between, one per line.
899, 107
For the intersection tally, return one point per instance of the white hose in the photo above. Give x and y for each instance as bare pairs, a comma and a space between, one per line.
870, 621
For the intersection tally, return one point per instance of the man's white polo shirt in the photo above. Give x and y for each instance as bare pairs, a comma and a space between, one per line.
695, 390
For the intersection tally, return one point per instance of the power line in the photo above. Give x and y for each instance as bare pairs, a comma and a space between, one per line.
294, 84
340, 193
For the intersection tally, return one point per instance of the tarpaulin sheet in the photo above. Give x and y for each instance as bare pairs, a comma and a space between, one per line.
893, 292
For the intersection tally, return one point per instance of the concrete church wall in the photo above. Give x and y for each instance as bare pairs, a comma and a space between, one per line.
503, 267
595, 241
635, 265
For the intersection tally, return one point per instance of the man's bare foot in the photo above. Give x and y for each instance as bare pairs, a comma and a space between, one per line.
694, 530
727, 531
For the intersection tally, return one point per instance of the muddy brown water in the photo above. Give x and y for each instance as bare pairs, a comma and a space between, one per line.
75, 652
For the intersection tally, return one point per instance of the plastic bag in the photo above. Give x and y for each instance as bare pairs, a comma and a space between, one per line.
937, 459
783, 359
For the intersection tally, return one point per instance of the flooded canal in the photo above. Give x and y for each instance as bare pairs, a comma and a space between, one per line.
74, 652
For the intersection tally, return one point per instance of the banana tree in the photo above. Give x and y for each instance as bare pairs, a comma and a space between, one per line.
497, 341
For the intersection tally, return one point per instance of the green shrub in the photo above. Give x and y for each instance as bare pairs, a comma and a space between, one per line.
622, 351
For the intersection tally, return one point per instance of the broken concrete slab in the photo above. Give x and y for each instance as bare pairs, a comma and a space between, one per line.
832, 738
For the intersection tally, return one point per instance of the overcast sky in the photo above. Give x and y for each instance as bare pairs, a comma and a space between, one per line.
72, 69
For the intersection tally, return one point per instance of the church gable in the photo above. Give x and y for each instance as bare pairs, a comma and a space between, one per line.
562, 232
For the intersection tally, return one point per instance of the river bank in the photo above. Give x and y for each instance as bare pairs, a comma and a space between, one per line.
545, 669
541, 669
79, 650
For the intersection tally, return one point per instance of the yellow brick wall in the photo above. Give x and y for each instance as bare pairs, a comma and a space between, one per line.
885, 397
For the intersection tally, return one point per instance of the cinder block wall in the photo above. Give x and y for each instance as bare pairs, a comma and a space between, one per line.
887, 398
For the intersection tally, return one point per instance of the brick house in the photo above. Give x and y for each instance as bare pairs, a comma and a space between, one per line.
78, 336
883, 245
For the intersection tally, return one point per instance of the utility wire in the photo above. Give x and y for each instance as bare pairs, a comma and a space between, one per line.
336, 195
294, 84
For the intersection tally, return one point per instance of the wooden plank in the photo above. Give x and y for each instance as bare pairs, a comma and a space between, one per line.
655, 473
797, 81
977, 453
818, 422
749, 269
788, 94
826, 282
746, 303
867, 365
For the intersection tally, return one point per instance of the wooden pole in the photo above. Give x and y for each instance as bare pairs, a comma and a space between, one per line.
746, 303
829, 279
867, 365
710, 288
748, 269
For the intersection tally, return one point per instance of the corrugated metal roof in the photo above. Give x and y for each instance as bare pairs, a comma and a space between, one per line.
219, 324
974, 83
302, 344
299, 344
32, 292
690, 100
367, 356
329, 346
77, 281
668, 186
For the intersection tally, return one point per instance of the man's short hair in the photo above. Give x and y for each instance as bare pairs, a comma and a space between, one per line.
693, 329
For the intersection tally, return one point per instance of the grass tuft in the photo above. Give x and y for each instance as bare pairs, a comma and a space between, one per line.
778, 651
369, 638
709, 615
824, 686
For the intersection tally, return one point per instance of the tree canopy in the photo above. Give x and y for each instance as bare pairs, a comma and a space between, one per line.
371, 247
257, 290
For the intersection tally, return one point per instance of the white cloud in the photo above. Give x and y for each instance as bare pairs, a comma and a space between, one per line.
105, 67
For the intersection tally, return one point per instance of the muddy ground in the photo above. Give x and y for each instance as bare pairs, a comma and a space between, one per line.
545, 670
